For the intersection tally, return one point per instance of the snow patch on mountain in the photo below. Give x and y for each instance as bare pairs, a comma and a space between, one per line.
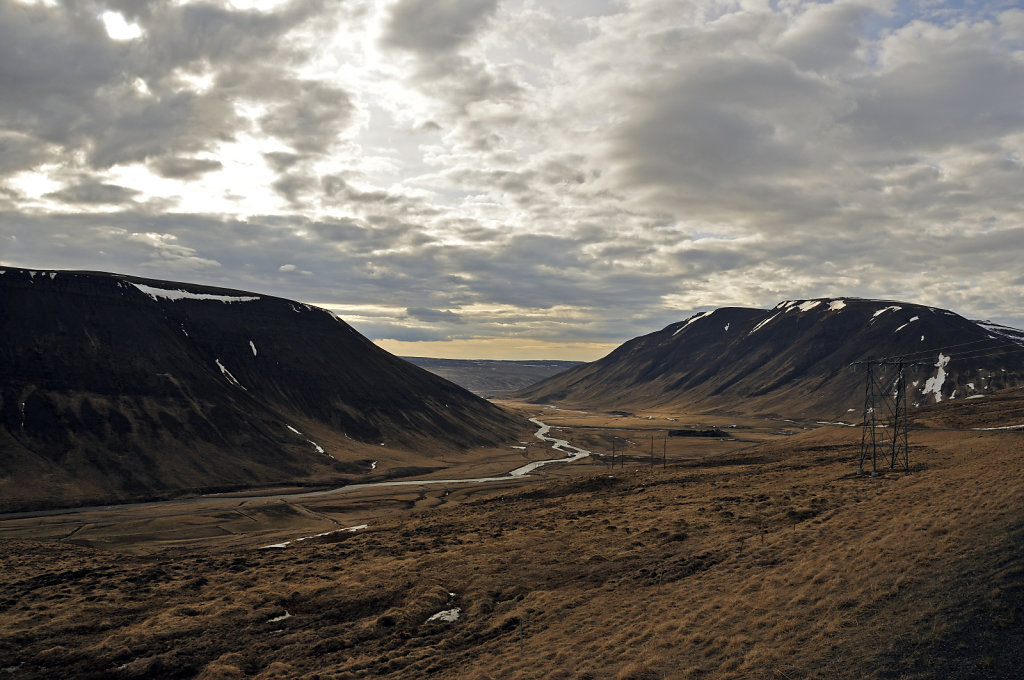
934, 384
695, 317
762, 324
883, 310
836, 305
912, 320
176, 294
227, 374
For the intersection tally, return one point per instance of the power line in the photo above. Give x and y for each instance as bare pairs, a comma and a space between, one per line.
924, 352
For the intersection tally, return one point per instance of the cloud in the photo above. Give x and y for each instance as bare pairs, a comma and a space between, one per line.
433, 315
93, 192
572, 172
184, 168
432, 27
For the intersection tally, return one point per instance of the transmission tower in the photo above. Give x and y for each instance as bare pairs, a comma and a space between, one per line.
885, 434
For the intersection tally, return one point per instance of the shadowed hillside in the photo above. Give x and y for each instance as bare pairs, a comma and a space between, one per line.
793, 360
118, 388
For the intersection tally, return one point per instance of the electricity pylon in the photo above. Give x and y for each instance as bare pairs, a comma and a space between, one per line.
885, 434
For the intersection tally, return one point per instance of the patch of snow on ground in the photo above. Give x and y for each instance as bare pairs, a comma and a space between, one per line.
319, 449
252, 347
227, 374
282, 617
809, 305
53, 275
373, 465
157, 293
293, 429
1007, 427
762, 324
446, 616
727, 327
970, 386
836, 305
695, 317
976, 396
521, 448
934, 384
285, 544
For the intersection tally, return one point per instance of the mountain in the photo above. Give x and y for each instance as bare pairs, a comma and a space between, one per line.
794, 359
119, 388
492, 377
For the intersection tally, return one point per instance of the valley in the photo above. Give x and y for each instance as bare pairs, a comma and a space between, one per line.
768, 559
199, 482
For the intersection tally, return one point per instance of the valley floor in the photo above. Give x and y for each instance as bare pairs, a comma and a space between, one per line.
776, 561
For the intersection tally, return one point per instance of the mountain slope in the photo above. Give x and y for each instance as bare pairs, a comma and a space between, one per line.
793, 359
117, 388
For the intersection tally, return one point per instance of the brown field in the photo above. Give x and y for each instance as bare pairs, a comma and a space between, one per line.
761, 557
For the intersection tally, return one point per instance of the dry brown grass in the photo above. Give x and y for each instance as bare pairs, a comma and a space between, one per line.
791, 567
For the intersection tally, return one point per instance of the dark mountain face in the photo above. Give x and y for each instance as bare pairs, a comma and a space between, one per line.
793, 359
117, 387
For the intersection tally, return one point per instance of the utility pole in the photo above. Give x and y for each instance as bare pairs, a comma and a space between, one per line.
885, 433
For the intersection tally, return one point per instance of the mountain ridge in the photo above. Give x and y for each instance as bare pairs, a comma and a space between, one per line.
132, 388
793, 359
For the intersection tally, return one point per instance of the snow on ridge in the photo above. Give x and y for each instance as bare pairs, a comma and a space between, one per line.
762, 324
178, 294
695, 317
808, 305
252, 347
836, 305
1008, 332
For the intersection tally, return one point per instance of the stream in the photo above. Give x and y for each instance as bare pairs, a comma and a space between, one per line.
572, 453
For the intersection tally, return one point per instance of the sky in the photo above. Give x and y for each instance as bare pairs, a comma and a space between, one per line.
522, 178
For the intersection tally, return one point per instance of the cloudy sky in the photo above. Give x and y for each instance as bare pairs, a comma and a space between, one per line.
522, 178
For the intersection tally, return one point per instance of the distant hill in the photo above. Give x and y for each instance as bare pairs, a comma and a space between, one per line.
492, 377
793, 359
118, 388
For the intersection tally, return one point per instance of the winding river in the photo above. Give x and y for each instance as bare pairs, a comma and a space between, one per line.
572, 453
